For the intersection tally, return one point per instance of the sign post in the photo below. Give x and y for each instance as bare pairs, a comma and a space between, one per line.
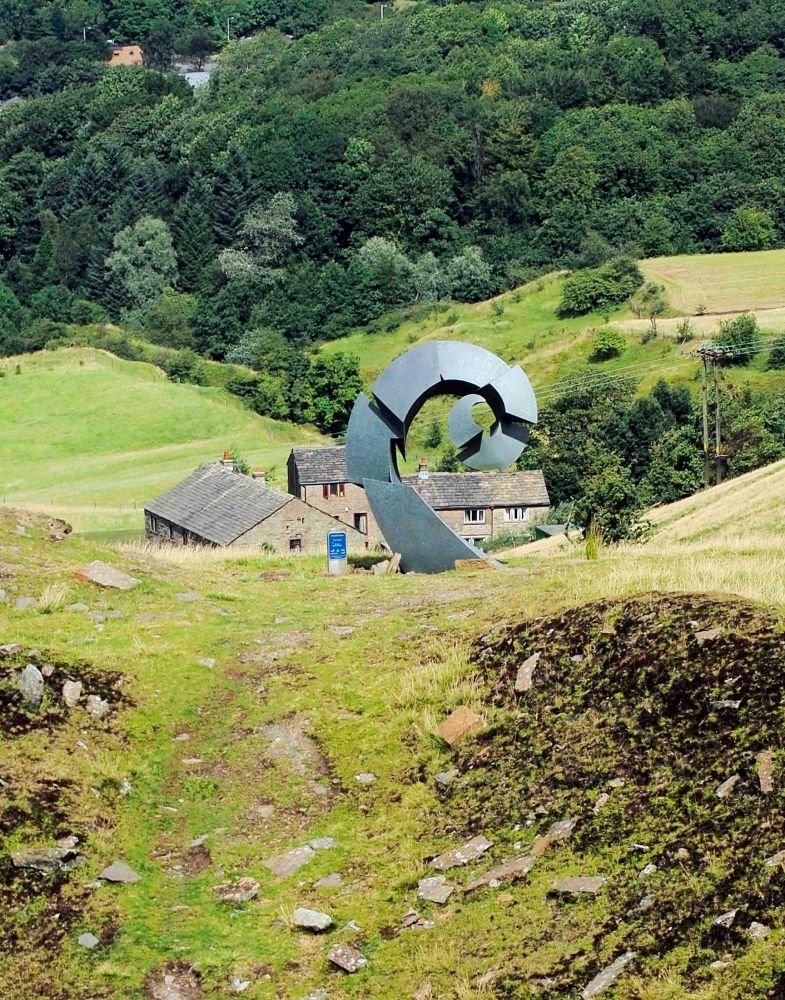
337, 561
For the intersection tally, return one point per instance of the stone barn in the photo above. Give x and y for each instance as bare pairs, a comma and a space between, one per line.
219, 506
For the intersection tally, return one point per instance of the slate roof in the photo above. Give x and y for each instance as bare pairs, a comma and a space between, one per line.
320, 465
442, 490
456, 490
218, 504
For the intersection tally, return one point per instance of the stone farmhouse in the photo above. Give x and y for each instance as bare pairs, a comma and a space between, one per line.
219, 506
476, 505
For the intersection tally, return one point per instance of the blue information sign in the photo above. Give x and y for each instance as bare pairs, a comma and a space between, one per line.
336, 545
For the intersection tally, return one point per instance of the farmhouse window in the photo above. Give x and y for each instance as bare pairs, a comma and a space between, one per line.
361, 522
516, 513
474, 516
336, 490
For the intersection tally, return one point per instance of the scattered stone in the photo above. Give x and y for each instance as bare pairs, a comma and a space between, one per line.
10, 649
126, 787
47, 670
603, 980
649, 870
726, 703
424, 992
719, 965
766, 771
68, 842
525, 676
616, 783
340, 629
119, 872
78, 607
435, 889
347, 957
410, 918
237, 985
206, 661
47, 859
331, 881
284, 865
23, 603
72, 692
88, 940
104, 575
726, 919
380, 568
723, 791
198, 841
561, 830
471, 851
31, 687
189, 595
708, 635
575, 884
458, 725
182, 737
602, 800
365, 778
776, 860
758, 932
97, 616
311, 920
323, 843
320, 994
242, 891
682, 854
646, 903
95, 706
174, 981
503, 872
447, 777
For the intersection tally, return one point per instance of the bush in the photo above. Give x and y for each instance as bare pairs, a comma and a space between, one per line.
612, 503
741, 337
506, 540
749, 229
777, 355
685, 332
607, 344
600, 287
184, 366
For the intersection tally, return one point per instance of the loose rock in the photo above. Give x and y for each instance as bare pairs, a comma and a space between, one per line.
23, 603
311, 920
723, 791
119, 872
242, 891
174, 981
435, 889
576, 884
331, 881
323, 843
459, 725
347, 957
31, 687
525, 676
608, 976
766, 771
88, 940
72, 692
471, 851
365, 778
507, 870
447, 777
758, 932
95, 706
47, 859
104, 575
206, 661
708, 635
288, 863
726, 919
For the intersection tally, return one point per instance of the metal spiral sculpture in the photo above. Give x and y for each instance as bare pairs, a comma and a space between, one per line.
378, 428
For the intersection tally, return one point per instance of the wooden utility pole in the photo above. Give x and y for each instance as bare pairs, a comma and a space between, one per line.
715, 355
705, 401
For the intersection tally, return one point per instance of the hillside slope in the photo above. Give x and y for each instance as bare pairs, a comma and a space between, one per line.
246, 694
92, 437
523, 327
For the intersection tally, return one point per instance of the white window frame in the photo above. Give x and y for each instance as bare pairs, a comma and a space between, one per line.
474, 515
516, 514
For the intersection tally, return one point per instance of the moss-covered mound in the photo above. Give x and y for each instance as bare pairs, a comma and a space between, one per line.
632, 721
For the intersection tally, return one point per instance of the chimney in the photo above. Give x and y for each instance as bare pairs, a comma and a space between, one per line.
258, 474
422, 472
227, 461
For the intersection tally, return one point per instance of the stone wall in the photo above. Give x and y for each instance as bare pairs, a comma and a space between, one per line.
347, 508
299, 527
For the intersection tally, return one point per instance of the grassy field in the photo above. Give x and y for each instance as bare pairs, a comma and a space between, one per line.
721, 282
91, 437
234, 761
522, 326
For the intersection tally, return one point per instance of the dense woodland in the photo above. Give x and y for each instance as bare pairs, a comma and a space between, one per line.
339, 168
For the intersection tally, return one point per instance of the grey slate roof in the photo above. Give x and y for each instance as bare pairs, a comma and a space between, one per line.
456, 490
442, 490
218, 504
320, 465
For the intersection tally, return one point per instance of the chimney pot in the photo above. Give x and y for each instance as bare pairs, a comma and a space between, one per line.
259, 474
423, 470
